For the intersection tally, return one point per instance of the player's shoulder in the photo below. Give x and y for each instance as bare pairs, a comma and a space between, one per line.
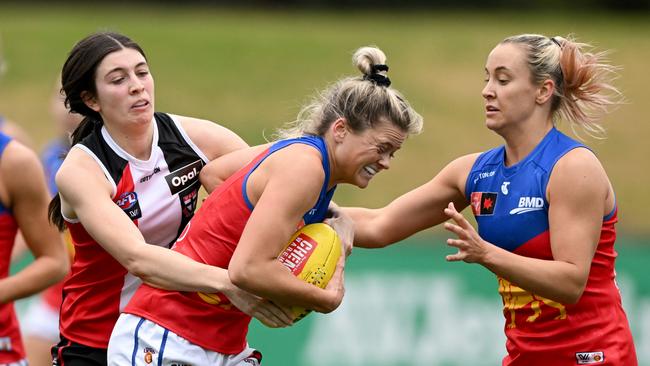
579, 166
576, 163
461, 165
78, 165
16, 156
299, 157
191, 124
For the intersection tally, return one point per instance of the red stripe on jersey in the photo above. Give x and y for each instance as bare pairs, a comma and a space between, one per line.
11, 345
125, 186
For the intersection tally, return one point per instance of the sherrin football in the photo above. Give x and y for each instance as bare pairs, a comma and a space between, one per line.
311, 255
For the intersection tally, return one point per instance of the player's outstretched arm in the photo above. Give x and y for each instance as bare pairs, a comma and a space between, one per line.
91, 204
416, 210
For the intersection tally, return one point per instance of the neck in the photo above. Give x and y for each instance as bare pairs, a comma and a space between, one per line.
520, 141
135, 140
332, 162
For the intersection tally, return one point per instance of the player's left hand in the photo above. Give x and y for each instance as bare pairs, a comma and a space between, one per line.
270, 314
471, 247
343, 225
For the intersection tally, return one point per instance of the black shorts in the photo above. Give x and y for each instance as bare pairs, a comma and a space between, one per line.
67, 353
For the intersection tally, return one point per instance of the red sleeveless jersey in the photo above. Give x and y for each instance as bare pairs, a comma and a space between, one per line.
211, 321
595, 330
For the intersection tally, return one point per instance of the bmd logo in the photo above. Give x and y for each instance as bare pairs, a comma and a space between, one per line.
184, 177
528, 204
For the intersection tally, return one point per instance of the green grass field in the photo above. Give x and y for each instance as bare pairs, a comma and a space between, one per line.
252, 70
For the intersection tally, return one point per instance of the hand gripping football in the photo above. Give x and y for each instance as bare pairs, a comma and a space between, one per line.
311, 255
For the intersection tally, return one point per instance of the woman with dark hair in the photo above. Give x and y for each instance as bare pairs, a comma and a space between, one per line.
544, 205
130, 179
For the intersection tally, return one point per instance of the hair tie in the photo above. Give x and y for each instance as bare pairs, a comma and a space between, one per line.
379, 67
376, 77
556, 42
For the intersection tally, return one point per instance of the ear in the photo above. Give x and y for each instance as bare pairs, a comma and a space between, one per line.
545, 91
339, 129
90, 101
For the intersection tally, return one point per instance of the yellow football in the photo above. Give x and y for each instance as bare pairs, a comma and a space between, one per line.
311, 255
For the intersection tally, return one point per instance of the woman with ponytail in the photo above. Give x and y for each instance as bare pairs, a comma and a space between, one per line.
544, 205
127, 188
347, 135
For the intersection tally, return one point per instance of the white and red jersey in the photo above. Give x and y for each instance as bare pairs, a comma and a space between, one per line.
159, 195
11, 346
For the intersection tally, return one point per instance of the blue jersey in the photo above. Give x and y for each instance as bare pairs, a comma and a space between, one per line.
509, 203
52, 158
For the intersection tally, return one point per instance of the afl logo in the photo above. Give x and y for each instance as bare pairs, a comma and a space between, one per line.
128, 202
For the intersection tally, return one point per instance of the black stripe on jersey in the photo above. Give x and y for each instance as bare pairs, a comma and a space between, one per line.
184, 166
111, 161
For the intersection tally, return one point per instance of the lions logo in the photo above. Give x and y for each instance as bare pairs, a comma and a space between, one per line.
148, 355
517, 302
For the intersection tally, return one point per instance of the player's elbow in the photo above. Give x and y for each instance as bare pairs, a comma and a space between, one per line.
209, 179
571, 293
55, 267
574, 294
56, 264
136, 268
241, 276
136, 263
61, 268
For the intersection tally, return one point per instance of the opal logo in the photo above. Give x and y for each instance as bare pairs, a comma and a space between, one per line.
184, 177
528, 204
504, 188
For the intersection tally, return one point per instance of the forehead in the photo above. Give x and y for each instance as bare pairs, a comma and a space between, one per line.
508, 56
385, 132
124, 58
